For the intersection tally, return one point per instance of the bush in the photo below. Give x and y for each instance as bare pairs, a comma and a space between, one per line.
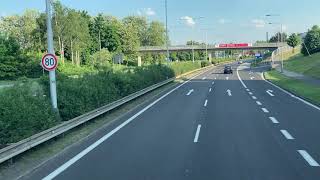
24, 111
205, 63
183, 67
80, 95
312, 41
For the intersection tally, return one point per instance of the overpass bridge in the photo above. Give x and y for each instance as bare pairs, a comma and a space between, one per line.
256, 46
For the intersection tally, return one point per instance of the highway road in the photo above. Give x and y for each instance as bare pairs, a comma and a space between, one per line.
215, 126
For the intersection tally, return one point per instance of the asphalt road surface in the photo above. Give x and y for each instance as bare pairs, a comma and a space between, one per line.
214, 127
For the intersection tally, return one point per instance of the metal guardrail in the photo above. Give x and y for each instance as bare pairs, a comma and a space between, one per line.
22, 146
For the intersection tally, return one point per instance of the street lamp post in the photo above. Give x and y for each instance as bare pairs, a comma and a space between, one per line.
280, 39
167, 35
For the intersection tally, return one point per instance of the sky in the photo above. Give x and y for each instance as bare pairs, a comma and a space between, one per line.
221, 21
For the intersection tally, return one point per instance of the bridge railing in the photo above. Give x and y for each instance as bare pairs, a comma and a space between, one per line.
190, 47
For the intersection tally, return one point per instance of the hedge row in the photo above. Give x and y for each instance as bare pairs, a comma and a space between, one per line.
25, 110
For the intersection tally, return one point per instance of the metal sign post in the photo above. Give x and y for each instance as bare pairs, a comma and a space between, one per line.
52, 73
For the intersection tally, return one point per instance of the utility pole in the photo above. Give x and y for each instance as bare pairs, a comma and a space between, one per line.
167, 35
52, 74
206, 46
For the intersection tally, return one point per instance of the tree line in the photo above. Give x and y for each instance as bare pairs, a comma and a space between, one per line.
78, 36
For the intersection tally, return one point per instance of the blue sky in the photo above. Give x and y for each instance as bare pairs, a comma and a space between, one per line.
224, 20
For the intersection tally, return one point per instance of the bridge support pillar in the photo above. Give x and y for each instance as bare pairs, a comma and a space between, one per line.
139, 61
210, 57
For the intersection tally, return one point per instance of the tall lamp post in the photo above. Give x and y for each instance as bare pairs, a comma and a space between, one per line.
280, 39
167, 35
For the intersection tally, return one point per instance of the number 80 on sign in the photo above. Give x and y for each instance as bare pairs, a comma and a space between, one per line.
49, 62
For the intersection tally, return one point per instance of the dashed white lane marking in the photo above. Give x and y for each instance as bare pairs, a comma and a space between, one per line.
204, 78
286, 134
253, 97
274, 120
212, 83
210, 89
205, 103
196, 137
259, 103
229, 92
248, 90
190, 92
265, 110
250, 93
308, 158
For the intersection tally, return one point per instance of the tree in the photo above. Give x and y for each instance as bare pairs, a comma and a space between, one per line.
312, 41
156, 34
278, 37
130, 40
140, 24
294, 40
101, 58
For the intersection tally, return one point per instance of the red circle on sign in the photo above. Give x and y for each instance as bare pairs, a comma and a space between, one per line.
46, 67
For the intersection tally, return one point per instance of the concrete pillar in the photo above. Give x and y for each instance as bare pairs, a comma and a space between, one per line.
139, 61
210, 56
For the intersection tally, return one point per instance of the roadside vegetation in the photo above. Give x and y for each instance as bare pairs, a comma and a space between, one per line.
300, 88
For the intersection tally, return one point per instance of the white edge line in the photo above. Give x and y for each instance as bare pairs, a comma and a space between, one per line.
196, 137
274, 120
308, 158
107, 136
240, 78
286, 134
300, 99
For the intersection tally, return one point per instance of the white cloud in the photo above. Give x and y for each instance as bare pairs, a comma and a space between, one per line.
146, 12
258, 23
189, 21
150, 12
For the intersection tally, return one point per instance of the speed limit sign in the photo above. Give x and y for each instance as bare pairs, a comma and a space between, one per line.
49, 62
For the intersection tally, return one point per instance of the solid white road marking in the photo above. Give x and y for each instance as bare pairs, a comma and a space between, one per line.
274, 120
205, 103
302, 100
308, 158
190, 92
250, 93
253, 97
210, 89
196, 137
240, 79
229, 92
286, 134
204, 78
259, 103
108, 135
270, 92
265, 110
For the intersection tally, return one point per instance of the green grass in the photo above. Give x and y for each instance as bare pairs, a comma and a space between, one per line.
300, 88
306, 65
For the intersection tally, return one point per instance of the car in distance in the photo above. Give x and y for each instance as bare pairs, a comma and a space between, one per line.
227, 70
